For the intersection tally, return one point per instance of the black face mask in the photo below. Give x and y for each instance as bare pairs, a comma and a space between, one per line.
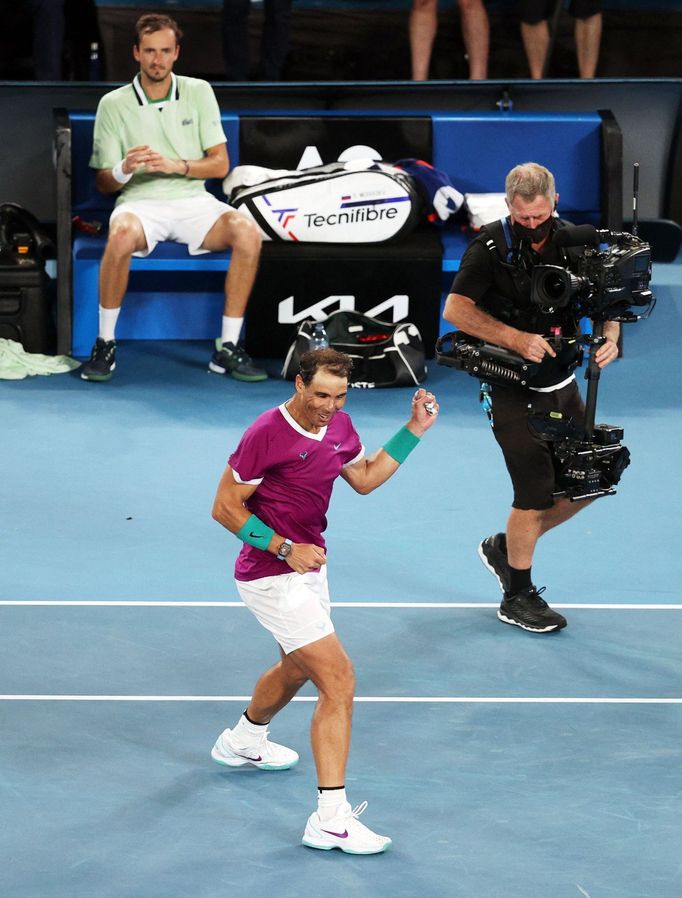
533, 235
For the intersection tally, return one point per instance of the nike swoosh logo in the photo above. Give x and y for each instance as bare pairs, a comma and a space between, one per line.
247, 758
343, 835
255, 535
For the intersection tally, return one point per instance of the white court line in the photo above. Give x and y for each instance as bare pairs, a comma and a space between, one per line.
422, 699
604, 606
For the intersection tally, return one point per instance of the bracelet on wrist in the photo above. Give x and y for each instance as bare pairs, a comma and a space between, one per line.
119, 175
186, 171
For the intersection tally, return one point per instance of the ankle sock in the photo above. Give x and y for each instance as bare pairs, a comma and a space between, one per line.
248, 732
519, 578
107, 323
232, 328
329, 801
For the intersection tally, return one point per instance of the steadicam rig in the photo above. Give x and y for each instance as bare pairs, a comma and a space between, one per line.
487, 362
589, 459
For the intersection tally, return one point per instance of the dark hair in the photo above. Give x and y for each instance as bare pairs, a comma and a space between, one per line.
153, 21
337, 363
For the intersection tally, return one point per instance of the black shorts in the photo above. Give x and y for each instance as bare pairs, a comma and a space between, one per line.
534, 11
529, 459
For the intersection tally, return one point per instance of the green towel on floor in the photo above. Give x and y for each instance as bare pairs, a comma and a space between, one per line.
16, 363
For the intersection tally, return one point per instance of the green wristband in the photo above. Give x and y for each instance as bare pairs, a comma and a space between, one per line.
256, 533
401, 444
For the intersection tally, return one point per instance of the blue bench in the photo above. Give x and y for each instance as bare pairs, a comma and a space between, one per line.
475, 149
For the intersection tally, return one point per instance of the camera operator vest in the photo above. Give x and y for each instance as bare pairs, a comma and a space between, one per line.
509, 297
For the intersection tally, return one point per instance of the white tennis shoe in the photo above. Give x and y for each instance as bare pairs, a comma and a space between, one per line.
263, 754
344, 831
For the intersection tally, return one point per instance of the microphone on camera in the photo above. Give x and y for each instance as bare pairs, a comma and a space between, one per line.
588, 235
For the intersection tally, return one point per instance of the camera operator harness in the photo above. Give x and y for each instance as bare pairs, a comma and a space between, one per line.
611, 275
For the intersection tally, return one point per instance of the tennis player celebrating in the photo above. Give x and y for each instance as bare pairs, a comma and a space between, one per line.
274, 495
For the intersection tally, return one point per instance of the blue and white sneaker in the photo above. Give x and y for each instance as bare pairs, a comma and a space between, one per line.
263, 754
344, 831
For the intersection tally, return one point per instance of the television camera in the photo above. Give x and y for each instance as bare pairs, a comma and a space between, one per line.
611, 277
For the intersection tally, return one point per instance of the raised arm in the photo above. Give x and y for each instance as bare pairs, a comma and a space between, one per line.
369, 473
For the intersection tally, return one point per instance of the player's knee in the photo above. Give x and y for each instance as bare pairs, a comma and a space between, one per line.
337, 687
345, 680
124, 237
247, 237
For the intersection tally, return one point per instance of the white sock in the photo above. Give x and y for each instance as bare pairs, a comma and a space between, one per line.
247, 733
107, 323
232, 328
329, 801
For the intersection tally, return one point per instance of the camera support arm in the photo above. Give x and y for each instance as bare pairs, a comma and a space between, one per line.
592, 375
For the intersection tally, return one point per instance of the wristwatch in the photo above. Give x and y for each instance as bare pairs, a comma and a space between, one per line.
284, 550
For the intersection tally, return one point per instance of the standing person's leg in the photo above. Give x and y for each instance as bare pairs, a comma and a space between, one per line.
242, 235
275, 41
247, 742
423, 25
295, 608
587, 44
126, 236
526, 526
335, 823
235, 30
530, 463
476, 36
536, 44
535, 35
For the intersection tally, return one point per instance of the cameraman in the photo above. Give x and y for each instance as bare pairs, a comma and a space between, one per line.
491, 299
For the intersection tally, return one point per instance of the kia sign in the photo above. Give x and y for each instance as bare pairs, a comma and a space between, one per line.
398, 307
391, 281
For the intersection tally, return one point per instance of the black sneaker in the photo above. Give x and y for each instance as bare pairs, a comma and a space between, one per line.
102, 362
527, 610
493, 553
233, 360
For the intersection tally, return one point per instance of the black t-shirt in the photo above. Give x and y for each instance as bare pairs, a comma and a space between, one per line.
502, 288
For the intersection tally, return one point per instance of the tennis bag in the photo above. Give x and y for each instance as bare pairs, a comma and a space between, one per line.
384, 354
329, 203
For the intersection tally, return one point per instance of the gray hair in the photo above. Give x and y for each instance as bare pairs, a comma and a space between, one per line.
529, 180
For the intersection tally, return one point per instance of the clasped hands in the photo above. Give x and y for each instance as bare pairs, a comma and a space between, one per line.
144, 159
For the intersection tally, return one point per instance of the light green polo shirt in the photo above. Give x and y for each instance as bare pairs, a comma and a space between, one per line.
181, 127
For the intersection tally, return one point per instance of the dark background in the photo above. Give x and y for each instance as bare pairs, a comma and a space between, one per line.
344, 42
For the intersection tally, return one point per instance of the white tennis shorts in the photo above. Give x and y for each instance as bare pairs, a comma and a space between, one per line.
183, 221
295, 608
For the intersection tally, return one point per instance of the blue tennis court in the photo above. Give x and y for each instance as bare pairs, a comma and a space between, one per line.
502, 764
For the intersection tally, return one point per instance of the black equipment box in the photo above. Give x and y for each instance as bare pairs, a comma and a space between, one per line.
24, 307
395, 282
